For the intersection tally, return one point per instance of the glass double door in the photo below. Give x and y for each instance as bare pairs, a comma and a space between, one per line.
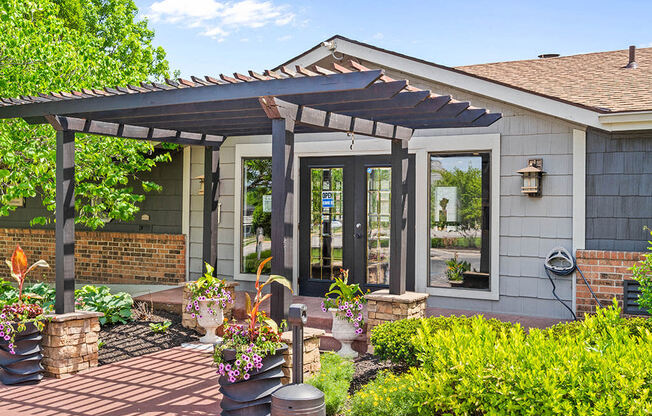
344, 222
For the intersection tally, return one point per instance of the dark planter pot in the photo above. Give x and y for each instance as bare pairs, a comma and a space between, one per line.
252, 397
23, 367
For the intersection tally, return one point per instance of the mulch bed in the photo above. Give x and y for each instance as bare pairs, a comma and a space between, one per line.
367, 368
135, 338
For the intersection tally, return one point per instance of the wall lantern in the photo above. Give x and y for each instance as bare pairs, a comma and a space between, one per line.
532, 177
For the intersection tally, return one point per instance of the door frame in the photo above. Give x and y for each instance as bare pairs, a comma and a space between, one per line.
354, 186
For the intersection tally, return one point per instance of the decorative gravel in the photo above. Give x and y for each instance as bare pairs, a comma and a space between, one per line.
123, 341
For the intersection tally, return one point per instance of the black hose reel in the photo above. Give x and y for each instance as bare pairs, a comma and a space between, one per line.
560, 262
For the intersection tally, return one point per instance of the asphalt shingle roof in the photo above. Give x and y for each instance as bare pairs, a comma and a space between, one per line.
597, 80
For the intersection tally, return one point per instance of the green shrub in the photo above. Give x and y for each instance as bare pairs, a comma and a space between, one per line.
598, 367
642, 272
39, 293
334, 380
115, 307
394, 341
390, 395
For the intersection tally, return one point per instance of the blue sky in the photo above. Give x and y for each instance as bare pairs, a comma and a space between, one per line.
207, 37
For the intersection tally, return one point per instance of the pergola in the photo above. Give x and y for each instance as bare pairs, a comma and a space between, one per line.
205, 111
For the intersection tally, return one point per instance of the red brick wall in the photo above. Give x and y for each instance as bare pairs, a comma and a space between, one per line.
103, 257
605, 272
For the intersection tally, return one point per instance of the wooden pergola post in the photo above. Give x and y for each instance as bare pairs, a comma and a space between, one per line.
399, 214
211, 197
65, 223
282, 210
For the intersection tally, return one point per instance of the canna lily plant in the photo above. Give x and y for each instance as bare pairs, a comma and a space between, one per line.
19, 269
252, 341
15, 317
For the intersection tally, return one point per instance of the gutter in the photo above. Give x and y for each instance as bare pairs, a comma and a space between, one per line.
635, 120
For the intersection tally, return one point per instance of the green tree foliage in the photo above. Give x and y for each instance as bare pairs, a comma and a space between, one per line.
60, 45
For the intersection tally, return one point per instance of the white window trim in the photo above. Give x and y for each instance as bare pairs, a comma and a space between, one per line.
426, 142
422, 144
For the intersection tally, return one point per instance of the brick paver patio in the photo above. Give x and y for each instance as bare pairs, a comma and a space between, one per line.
178, 381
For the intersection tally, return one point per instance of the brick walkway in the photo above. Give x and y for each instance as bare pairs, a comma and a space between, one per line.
178, 381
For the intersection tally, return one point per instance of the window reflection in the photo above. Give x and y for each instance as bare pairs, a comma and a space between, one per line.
459, 233
256, 214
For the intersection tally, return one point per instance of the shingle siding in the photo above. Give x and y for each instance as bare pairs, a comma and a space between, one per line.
618, 191
163, 208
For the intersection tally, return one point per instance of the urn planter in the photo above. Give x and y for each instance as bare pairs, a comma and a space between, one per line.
23, 367
252, 397
344, 332
210, 321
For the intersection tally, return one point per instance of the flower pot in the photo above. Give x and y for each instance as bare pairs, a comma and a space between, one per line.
210, 318
252, 397
456, 283
344, 332
23, 367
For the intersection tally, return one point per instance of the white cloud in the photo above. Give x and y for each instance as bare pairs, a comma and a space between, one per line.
219, 19
378, 36
284, 38
646, 45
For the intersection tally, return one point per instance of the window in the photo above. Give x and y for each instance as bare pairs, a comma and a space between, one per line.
459, 221
255, 239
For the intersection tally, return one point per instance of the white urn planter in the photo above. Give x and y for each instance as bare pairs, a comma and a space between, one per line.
344, 332
210, 321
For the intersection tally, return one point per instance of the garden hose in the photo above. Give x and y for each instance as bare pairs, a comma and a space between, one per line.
560, 262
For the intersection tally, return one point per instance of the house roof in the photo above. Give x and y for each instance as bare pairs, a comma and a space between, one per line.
595, 81
598, 80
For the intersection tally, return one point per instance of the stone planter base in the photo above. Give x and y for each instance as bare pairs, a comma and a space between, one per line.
252, 397
70, 343
23, 367
311, 363
384, 307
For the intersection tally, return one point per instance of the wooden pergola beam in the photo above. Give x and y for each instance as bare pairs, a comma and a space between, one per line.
308, 116
127, 131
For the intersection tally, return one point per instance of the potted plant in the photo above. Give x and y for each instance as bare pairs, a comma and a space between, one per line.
21, 323
455, 271
345, 301
208, 298
250, 359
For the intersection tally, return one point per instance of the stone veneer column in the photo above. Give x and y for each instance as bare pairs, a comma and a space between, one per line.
70, 343
383, 307
311, 363
186, 318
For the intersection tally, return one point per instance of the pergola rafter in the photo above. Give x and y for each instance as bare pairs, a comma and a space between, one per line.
204, 111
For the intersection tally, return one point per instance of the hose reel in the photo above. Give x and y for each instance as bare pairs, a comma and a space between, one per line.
562, 263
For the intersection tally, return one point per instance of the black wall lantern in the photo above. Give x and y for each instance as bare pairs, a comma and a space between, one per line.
532, 177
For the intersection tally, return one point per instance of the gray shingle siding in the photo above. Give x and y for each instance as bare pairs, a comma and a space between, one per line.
163, 208
618, 190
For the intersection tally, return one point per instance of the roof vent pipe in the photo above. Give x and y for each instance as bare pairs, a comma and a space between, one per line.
548, 55
632, 58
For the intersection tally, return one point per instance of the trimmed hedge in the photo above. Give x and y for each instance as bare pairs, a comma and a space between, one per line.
599, 366
394, 341
334, 380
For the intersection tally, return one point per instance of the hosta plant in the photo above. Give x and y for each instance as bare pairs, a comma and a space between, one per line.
347, 299
208, 288
15, 316
253, 340
115, 307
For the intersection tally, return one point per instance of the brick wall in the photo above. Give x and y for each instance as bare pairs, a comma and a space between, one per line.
105, 257
605, 272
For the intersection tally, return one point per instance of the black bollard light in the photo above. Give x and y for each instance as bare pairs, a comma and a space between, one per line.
298, 398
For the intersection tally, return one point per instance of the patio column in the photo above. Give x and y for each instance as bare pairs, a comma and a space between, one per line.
65, 223
211, 197
399, 214
282, 207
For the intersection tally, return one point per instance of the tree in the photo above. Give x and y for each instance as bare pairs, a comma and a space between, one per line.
642, 272
60, 45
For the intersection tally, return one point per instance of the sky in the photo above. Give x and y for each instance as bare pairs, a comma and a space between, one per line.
208, 37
